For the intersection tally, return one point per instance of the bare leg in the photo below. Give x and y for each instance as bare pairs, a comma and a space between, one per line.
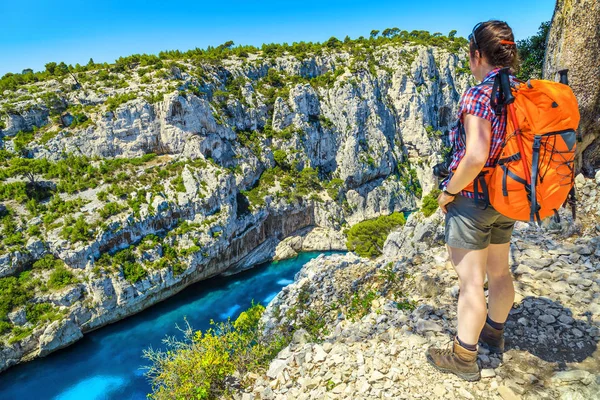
470, 265
500, 282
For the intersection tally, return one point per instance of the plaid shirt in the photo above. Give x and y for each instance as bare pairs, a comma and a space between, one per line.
476, 101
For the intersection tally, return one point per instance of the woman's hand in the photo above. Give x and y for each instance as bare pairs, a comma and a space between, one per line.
443, 200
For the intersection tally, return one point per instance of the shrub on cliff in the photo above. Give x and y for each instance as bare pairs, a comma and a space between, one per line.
113, 102
280, 157
42, 312
61, 277
430, 204
76, 230
367, 237
14, 292
198, 366
125, 259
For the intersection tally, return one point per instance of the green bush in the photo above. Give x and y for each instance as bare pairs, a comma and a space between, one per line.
61, 277
367, 237
177, 183
133, 272
22, 140
110, 209
14, 191
76, 230
102, 195
197, 367
41, 312
359, 304
154, 97
14, 292
280, 157
19, 333
113, 102
47, 262
430, 203
178, 268
4, 327
58, 208
34, 231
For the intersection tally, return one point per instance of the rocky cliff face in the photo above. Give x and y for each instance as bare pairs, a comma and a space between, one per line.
161, 176
574, 43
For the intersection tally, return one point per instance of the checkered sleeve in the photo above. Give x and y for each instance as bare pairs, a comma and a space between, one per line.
476, 101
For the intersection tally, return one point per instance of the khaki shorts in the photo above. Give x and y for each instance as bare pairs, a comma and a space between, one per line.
470, 227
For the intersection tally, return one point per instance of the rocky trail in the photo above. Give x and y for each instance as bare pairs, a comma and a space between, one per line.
552, 333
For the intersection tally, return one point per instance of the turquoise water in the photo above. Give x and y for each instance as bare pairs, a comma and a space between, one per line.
106, 364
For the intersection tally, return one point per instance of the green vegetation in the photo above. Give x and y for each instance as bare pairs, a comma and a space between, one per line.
409, 179
359, 304
113, 102
294, 184
48, 262
58, 208
430, 203
76, 230
47, 136
198, 366
42, 312
22, 140
132, 270
367, 237
392, 282
531, 53
280, 157
334, 187
433, 133
61, 277
111, 209
177, 183
14, 292
108, 74
19, 333
154, 98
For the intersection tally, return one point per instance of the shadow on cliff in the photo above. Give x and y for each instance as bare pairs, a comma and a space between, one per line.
549, 331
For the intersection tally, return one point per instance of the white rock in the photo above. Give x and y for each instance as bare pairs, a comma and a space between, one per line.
276, 367
488, 373
427, 325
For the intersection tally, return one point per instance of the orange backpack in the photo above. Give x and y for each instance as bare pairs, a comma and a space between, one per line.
536, 169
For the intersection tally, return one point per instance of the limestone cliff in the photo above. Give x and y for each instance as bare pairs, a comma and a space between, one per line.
142, 178
574, 43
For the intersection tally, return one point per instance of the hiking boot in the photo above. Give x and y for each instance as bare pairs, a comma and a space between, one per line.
492, 339
457, 360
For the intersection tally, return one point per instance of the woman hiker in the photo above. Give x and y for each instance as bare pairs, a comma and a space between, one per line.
478, 239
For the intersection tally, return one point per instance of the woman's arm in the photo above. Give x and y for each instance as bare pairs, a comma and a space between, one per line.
479, 135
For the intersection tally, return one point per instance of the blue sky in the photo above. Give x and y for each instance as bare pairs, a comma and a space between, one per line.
35, 32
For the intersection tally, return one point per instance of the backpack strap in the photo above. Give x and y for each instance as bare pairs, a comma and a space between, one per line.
512, 175
534, 214
480, 180
572, 201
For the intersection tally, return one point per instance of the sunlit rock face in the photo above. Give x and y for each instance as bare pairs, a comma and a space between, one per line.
574, 44
369, 130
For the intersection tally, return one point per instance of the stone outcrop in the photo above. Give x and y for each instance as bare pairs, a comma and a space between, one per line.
311, 239
574, 43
